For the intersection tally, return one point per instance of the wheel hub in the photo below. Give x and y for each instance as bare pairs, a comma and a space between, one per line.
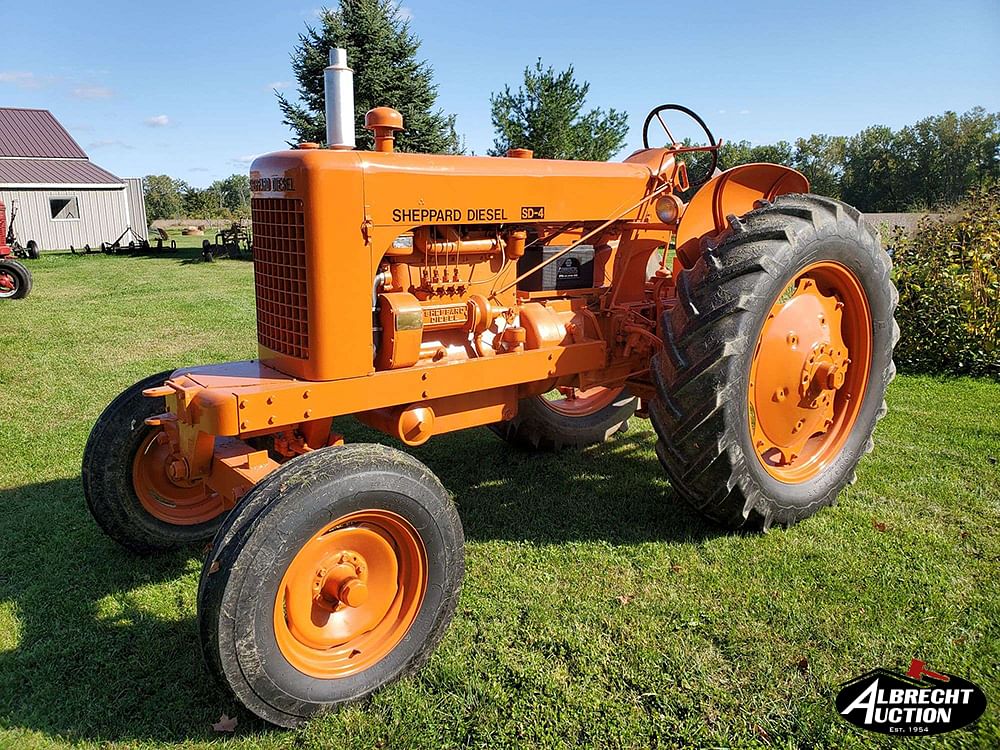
802, 381
343, 582
161, 481
7, 283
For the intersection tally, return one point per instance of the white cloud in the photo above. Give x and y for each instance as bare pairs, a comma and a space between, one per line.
92, 92
24, 79
744, 111
722, 111
243, 160
157, 121
109, 143
405, 13
198, 169
277, 85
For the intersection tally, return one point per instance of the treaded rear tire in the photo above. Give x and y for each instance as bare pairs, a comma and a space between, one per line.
701, 415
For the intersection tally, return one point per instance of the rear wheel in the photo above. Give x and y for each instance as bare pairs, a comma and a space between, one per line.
15, 279
776, 362
337, 575
127, 479
568, 417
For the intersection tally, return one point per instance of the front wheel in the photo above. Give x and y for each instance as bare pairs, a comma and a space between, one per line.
127, 482
335, 576
15, 279
568, 417
776, 361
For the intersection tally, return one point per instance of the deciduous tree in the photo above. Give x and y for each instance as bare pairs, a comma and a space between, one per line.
821, 159
163, 196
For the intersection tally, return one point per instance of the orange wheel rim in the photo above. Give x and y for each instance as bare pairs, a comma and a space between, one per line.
350, 594
573, 402
809, 372
177, 502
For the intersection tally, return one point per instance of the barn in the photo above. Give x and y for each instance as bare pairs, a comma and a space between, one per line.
56, 196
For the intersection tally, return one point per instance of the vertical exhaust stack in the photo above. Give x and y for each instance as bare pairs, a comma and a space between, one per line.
338, 89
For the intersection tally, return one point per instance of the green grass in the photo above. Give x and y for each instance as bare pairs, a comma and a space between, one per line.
597, 609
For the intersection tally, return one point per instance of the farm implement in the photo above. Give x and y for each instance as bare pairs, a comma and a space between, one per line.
231, 242
10, 234
134, 245
550, 301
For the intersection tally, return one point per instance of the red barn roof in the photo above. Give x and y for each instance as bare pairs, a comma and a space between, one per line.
35, 133
54, 172
36, 151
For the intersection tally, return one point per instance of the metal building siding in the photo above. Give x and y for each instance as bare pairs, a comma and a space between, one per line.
35, 132
136, 205
103, 216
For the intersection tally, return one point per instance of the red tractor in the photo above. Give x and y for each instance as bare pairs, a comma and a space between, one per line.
15, 279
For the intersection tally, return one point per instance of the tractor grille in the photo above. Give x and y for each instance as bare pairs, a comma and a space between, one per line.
279, 261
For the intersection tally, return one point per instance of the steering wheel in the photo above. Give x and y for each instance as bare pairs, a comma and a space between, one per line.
675, 146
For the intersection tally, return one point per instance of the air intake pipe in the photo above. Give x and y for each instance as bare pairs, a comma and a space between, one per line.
338, 89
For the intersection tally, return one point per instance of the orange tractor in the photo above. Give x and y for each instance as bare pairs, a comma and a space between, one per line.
551, 301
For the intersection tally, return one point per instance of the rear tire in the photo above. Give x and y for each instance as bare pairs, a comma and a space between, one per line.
540, 425
265, 625
17, 279
713, 338
109, 481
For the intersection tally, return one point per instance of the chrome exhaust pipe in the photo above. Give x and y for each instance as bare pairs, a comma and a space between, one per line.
338, 91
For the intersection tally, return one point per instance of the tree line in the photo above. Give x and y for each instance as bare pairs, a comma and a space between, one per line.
929, 165
170, 198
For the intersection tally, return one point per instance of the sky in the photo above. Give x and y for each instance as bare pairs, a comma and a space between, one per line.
187, 88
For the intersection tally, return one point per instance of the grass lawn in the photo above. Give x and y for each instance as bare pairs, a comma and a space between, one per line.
597, 609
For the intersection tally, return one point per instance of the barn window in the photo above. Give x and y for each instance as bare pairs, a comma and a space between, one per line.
63, 209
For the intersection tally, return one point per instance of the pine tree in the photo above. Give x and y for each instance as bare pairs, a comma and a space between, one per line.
382, 51
545, 116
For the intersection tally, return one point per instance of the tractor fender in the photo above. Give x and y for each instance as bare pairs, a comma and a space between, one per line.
731, 192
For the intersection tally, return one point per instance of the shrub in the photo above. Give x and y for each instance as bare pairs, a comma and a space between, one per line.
948, 276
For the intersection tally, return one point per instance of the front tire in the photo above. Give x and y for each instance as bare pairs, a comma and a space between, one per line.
126, 486
335, 576
15, 279
775, 363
